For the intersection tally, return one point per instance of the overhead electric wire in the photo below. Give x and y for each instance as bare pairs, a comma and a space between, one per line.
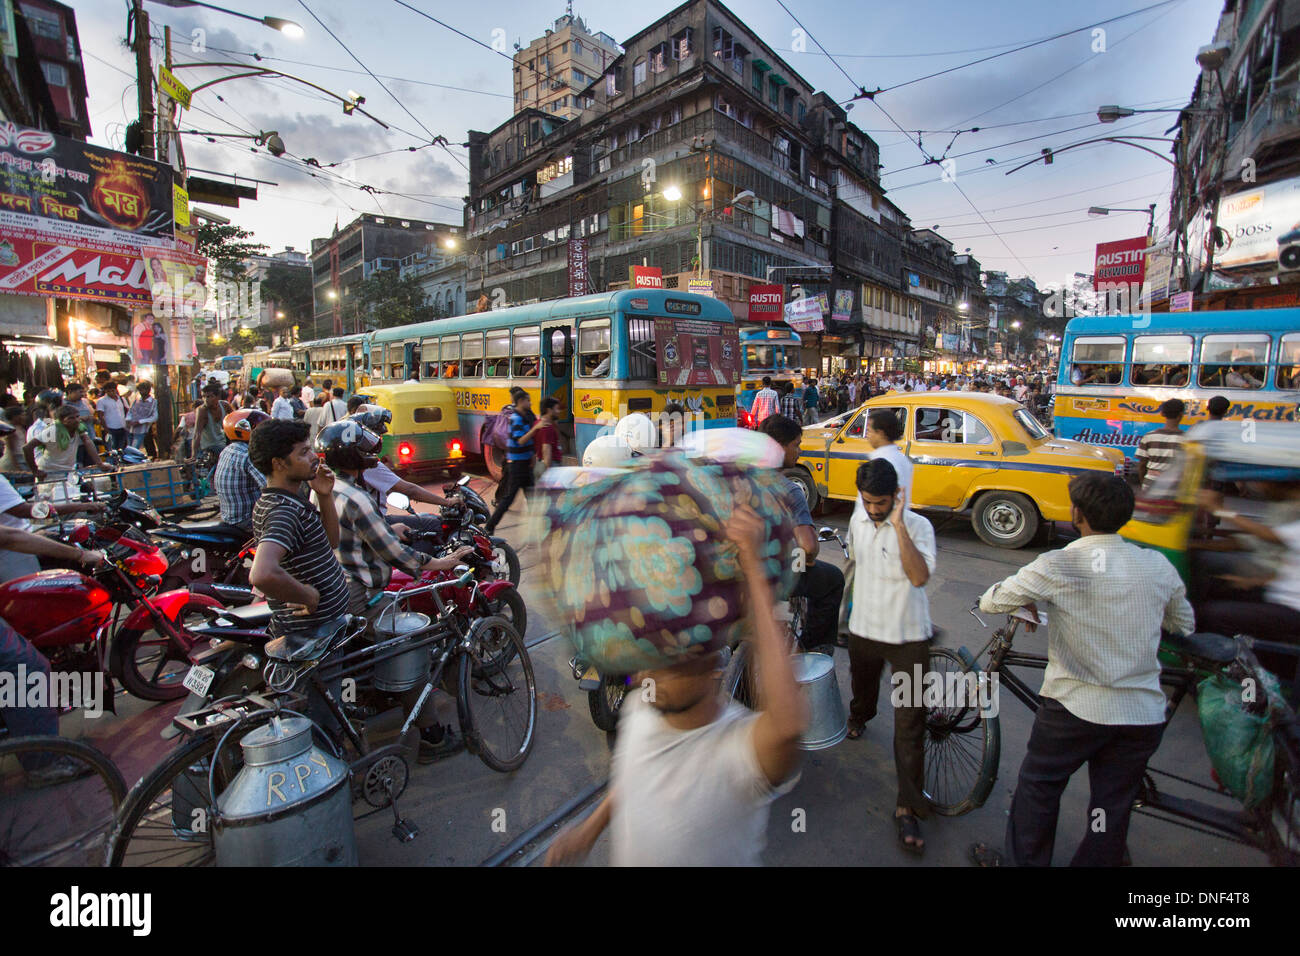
1084, 62
891, 119
325, 27
1026, 46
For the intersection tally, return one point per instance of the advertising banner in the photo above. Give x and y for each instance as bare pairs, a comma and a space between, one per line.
804, 315
645, 277
577, 267
73, 217
178, 286
1123, 261
692, 352
843, 310
700, 286
765, 302
1259, 223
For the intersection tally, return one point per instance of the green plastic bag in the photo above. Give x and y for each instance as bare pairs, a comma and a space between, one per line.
1240, 744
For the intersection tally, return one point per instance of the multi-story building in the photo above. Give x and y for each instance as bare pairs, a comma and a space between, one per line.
929, 281
341, 262
257, 268
441, 270
1015, 314
1236, 188
553, 70
53, 31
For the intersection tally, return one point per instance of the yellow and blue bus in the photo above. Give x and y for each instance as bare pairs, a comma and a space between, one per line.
771, 352
602, 356
1117, 370
341, 358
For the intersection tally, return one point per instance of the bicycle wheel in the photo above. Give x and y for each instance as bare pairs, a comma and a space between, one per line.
58, 818
738, 677
164, 821
497, 695
962, 743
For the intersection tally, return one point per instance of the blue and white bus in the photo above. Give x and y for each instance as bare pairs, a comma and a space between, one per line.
1117, 370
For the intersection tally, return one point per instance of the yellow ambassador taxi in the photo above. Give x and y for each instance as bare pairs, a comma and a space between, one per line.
970, 451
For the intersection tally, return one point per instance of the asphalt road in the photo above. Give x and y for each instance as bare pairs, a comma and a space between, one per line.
839, 813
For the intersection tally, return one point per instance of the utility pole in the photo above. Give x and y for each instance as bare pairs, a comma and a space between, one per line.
143, 77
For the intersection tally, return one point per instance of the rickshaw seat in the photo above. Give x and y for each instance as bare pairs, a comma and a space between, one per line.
1206, 646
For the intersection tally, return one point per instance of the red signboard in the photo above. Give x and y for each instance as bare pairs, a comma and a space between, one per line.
646, 277
766, 303
577, 267
1121, 262
694, 352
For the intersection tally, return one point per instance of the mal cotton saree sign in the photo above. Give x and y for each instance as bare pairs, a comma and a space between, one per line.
694, 352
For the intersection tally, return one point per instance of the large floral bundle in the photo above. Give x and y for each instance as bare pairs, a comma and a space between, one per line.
637, 565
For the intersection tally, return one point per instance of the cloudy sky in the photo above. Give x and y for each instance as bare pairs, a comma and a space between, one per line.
433, 82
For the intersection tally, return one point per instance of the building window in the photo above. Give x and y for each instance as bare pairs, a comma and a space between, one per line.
564, 48
612, 83
579, 78
774, 93
43, 23
659, 58
683, 44
638, 72
55, 74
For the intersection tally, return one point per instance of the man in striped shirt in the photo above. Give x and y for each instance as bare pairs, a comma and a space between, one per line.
1158, 449
791, 402
1101, 699
519, 456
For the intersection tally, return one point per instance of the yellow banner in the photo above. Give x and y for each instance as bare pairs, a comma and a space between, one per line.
169, 84
180, 205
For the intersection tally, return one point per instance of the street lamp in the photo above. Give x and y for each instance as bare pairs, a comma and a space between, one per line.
331, 295
672, 193
1107, 210
290, 29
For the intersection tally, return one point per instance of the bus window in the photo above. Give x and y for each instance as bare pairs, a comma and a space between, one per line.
758, 358
561, 342
528, 356
429, 357
1098, 361
1288, 363
641, 350
450, 356
1164, 360
792, 358
593, 349
1234, 361
498, 353
471, 355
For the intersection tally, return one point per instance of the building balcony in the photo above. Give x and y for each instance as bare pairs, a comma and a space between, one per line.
1274, 120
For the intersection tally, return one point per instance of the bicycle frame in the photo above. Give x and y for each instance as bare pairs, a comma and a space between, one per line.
1254, 828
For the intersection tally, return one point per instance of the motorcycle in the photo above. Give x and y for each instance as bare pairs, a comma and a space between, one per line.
108, 621
459, 525
206, 552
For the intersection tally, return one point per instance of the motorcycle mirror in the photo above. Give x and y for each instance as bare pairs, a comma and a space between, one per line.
398, 500
464, 480
825, 534
40, 510
466, 574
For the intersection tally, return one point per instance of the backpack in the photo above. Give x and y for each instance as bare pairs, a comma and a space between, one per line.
499, 428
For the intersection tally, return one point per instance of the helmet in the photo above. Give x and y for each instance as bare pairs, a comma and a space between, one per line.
349, 445
238, 425
373, 417
636, 430
607, 451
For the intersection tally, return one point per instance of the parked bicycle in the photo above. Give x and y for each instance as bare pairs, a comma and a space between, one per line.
963, 742
163, 822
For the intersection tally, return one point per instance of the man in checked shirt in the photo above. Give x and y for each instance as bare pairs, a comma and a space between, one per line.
1101, 699
369, 548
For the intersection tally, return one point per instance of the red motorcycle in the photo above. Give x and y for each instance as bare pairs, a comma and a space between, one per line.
109, 621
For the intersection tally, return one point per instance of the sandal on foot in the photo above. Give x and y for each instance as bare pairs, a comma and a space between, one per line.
908, 826
854, 731
981, 854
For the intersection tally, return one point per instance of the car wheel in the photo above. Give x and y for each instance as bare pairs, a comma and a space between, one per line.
1005, 519
806, 485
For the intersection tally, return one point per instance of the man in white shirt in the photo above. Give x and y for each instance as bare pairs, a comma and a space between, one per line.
1101, 699
336, 409
694, 773
766, 402
894, 553
308, 393
282, 407
111, 411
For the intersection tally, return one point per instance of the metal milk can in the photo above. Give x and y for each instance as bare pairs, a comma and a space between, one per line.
290, 805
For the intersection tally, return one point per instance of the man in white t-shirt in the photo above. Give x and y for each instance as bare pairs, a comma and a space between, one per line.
694, 773
282, 407
111, 411
336, 409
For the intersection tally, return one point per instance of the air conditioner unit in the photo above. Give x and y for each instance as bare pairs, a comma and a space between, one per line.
1288, 251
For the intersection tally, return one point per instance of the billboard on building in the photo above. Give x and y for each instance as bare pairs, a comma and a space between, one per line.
577, 267
1123, 261
765, 302
73, 217
1258, 223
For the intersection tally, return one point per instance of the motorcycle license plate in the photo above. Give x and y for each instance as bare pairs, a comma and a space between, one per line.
199, 679
590, 680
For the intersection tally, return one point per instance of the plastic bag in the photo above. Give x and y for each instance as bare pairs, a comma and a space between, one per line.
1240, 743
